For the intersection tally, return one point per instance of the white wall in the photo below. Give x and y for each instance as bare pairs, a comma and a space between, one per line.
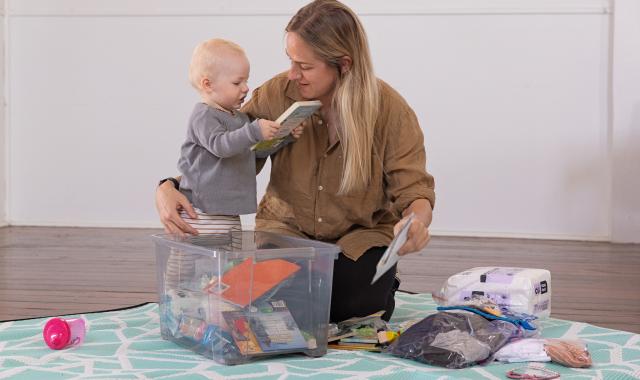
626, 122
3, 140
511, 95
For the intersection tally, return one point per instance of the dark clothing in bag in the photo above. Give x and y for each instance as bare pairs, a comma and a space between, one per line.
452, 340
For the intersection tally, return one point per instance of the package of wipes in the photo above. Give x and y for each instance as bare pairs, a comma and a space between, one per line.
521, 290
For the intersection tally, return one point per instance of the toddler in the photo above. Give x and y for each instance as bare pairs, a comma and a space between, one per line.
217, 165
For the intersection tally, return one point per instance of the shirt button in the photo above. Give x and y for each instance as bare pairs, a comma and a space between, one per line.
320, 122
319, 220
320, 188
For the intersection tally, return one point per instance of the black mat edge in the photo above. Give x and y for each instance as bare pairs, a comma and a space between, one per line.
120, 309
89, 312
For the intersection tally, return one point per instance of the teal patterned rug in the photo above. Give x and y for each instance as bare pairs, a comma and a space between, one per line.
126, 344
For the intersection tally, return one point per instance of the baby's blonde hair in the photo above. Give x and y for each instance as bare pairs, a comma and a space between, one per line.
206, 59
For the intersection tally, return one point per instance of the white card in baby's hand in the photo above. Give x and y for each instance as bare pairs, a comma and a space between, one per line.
390, 256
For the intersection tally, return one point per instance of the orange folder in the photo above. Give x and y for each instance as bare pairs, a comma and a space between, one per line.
248, 281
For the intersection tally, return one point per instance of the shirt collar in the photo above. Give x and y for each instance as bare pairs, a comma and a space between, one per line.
220, 108
292, 92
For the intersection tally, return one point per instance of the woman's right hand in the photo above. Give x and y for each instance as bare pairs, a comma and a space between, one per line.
169, 202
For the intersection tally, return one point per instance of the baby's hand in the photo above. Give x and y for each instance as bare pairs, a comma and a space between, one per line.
268, 128
297, 131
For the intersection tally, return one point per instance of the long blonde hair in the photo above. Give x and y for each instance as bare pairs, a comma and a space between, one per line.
334, 31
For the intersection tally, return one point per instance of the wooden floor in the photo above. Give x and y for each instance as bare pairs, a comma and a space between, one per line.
54, 271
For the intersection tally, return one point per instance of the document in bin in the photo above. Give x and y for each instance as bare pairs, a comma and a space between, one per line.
390, 256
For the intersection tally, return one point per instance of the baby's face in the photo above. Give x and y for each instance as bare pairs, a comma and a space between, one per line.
229, 85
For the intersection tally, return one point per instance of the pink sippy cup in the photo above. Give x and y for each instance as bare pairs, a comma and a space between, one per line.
61, 333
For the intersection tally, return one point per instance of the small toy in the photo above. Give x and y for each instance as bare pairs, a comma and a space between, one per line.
190, 327
386, 336
59, 333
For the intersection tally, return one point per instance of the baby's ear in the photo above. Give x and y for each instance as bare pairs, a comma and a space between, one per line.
205, 84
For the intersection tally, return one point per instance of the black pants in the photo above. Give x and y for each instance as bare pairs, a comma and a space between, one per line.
353, 295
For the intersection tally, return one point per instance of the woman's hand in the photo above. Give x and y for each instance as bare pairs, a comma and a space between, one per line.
418, 235
168, 203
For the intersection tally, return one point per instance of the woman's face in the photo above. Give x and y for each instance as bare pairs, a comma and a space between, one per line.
314, 77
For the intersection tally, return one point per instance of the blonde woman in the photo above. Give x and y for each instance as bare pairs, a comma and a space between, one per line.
356, 173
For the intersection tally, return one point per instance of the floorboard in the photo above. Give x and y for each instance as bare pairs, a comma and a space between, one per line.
48, 271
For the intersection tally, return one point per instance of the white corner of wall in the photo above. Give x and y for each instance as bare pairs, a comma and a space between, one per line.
4, 156
625, 205
65, 18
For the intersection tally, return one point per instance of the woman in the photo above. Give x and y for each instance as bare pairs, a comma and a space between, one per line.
356, 171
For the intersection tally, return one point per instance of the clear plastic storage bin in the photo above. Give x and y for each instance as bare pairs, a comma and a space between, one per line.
239, 296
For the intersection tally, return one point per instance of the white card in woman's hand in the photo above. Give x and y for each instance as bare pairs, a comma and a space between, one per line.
390, 256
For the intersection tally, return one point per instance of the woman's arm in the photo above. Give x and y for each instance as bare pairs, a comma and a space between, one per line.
168, 203
409, 185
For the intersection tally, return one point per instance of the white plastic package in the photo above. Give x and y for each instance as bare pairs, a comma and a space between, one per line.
523, 350
520, 290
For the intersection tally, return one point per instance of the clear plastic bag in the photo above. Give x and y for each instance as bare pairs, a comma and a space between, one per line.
487, 308
452, 339
569, 353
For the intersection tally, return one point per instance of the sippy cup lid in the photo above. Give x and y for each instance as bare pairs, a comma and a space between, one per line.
56, 333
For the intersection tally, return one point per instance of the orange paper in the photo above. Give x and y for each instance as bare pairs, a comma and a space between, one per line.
248, 281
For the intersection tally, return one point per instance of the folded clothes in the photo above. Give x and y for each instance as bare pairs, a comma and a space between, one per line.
523, 350
569, 353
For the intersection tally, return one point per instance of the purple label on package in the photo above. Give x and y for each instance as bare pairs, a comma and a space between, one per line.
499, 298
540, 307
499, 275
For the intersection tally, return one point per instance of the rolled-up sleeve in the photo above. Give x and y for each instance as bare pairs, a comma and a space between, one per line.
405, 158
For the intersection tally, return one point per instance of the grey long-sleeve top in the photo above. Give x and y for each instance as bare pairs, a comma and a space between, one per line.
217, 165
